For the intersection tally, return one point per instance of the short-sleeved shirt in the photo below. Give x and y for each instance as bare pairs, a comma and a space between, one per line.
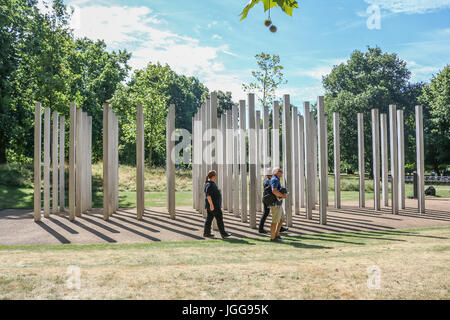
212, 191
275, 183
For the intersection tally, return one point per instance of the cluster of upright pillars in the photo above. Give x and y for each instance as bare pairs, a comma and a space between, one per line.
239, 148
80, 165
240, 151
396, 152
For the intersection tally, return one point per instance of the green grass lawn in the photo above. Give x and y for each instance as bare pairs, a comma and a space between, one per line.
16, 187
21, 198
413, 264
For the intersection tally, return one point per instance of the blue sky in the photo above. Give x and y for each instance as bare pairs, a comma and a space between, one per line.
205, 38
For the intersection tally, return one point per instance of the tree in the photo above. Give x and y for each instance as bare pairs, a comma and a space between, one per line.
186, 93
45, 63
155, 87
95, 76
287, 6
267, 79
40, 43
224, 102
435, 99
410, 99
368, 80
124, 103
41, 60
15, 19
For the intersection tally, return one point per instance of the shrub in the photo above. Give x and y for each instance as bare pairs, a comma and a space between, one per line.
16, 175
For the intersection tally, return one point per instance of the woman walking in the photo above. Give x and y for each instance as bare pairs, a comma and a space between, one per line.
213, 203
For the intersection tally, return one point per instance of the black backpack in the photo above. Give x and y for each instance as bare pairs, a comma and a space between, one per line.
269, 198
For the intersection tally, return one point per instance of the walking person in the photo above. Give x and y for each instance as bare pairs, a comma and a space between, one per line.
267, 188
277, 209
213, 204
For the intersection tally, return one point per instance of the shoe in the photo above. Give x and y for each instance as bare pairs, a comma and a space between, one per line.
263, 231
226, 235
283, 229
208, 236
276, 240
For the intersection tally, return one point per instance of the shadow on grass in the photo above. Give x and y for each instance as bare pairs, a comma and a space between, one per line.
291, 241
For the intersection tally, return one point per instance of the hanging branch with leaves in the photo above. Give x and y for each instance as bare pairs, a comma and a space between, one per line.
287, 6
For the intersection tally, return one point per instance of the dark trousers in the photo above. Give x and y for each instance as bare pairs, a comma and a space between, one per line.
217, 213
264, 217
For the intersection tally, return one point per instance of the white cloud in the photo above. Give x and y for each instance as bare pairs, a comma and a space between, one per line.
212, 24
421, 72
140, 31
116, 25
316, 73
319, 71
411, 6
230, 81
439, 34
216, 37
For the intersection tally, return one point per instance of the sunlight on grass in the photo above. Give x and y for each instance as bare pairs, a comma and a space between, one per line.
17, 196
414, 265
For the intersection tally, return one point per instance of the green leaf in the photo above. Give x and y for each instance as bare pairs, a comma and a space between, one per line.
247, 8
287, 6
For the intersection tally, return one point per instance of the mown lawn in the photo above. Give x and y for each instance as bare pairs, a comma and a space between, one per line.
411, 264
16, 187
22, 198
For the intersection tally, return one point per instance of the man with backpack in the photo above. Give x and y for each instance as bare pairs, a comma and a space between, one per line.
273, 193
276, 209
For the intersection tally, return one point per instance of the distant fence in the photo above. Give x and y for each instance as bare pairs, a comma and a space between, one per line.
431, 179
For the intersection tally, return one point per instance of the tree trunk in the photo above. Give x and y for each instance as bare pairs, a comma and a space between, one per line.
150, 157
2, 154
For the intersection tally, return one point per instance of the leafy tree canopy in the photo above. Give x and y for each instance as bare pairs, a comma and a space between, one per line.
368, 80
267, 78
155, 87
224, 102
435, 99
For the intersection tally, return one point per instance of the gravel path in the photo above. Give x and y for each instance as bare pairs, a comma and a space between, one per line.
18, 228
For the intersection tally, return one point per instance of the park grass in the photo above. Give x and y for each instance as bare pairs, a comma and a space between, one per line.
155, 178
414, 264
22, 198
